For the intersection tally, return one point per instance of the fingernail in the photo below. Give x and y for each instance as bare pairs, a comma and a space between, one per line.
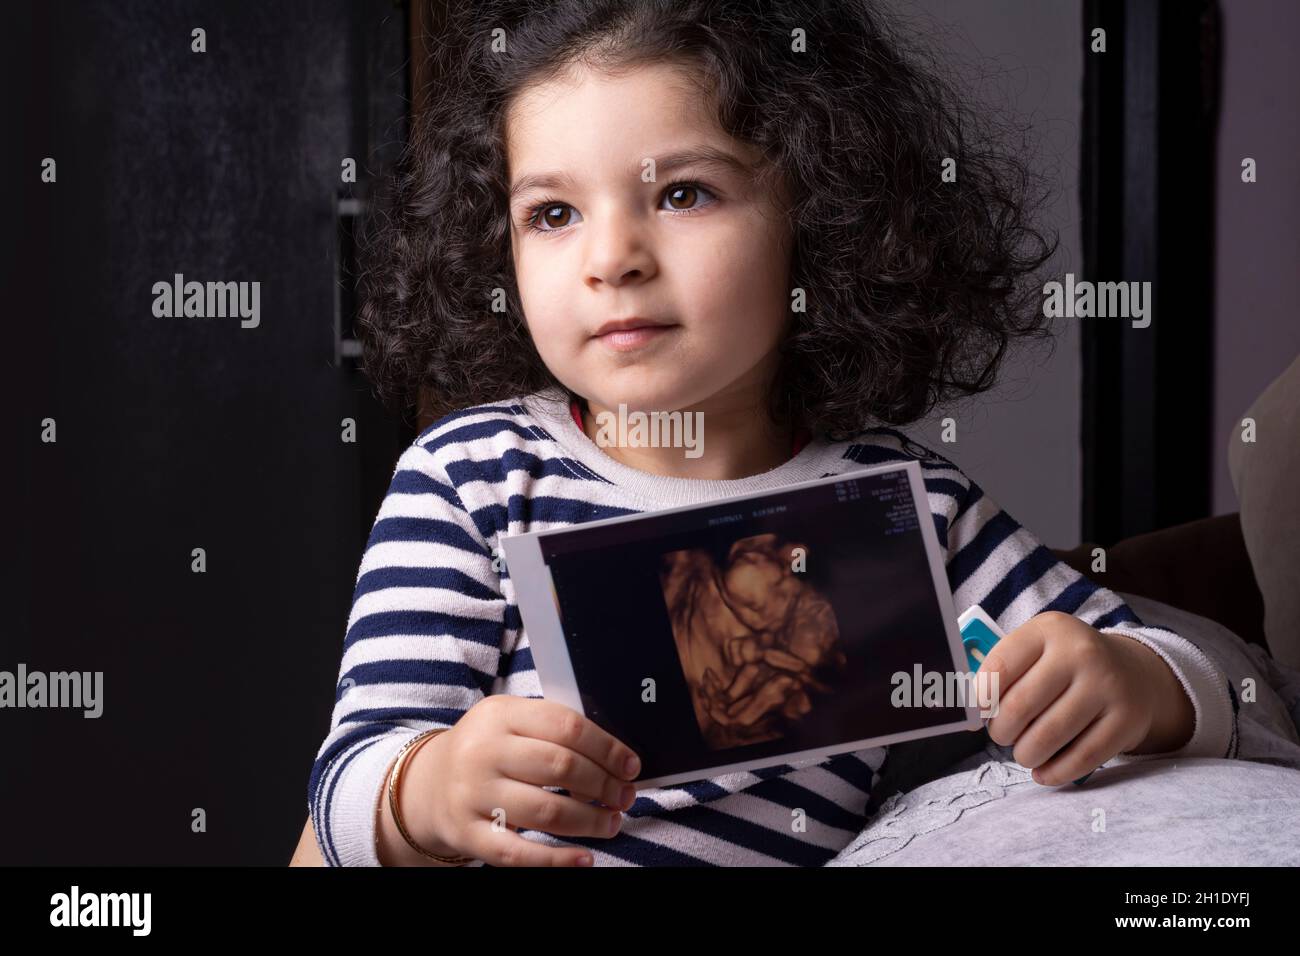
632, 765
626, 796
584, 860
614, 822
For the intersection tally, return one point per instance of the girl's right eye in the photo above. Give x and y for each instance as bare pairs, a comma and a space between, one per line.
541, 212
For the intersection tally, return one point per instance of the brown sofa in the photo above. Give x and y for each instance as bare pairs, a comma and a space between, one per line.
1201, 566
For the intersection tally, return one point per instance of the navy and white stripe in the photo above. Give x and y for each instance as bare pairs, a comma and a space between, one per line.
434, 628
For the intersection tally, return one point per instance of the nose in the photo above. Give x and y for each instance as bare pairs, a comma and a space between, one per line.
618, 251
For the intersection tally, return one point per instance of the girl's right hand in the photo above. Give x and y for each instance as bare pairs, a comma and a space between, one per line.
483, 779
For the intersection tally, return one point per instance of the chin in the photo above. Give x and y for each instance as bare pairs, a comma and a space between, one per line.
639, 397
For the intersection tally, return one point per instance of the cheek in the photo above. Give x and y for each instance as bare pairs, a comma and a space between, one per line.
535, 270
547, 331
741, 286
539, 294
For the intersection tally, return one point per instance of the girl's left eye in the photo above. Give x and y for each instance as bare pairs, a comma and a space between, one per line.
690, 189
675, 193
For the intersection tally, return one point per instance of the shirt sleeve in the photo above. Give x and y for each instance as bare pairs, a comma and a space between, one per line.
994, 562
422, 646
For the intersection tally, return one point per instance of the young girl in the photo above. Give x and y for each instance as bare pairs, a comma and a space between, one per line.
738, 210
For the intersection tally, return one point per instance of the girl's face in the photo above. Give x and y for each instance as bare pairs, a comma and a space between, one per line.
600, 234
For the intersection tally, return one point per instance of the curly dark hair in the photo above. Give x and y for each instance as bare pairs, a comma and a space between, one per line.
913, 286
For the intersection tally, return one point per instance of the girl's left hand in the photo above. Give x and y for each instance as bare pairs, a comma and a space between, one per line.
1071, 697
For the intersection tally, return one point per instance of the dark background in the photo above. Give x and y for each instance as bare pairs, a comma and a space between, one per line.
184, 433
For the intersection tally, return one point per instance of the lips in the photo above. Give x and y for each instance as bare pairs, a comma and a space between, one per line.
632, 334
624, 325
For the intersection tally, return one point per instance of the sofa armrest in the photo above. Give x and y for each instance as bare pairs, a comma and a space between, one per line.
1201, 566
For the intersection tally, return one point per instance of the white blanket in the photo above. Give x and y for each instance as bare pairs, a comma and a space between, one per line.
985, 809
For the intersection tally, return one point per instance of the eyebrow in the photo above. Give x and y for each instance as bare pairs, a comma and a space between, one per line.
699, 155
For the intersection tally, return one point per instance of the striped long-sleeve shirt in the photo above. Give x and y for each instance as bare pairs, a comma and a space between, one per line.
435, 626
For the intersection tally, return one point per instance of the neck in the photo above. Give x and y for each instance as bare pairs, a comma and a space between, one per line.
729, 439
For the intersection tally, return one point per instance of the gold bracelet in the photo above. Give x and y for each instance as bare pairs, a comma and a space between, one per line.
394, 776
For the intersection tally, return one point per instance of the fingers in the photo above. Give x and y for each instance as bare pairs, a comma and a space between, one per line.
588, 798
537, 809
547, 720
1016, 653
585, 797
1100, 741
1032, 694
503, 847
1057, 726
536, 747
546, 764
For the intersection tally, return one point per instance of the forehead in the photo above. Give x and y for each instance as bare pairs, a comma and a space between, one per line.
589, 117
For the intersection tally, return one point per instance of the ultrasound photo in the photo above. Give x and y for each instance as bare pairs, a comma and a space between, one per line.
756, 643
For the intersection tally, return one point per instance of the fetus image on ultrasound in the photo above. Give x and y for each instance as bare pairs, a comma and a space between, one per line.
754, 639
